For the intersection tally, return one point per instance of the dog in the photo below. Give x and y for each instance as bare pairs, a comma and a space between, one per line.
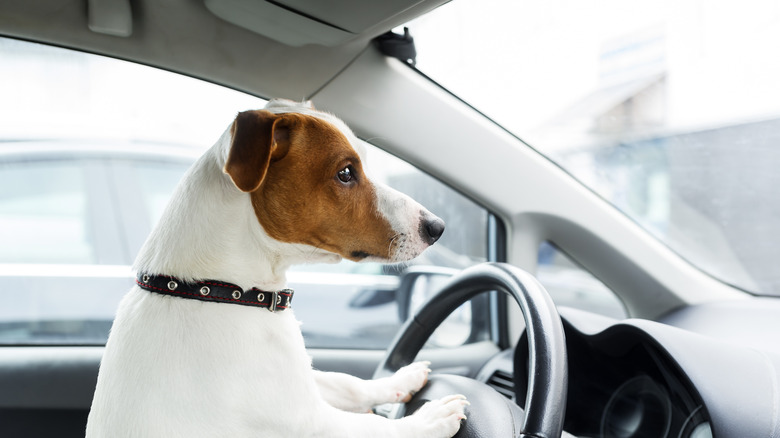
207, 345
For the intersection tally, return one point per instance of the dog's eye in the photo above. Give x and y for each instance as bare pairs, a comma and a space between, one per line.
346, 174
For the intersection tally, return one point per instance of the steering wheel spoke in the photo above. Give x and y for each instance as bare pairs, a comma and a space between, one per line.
491, 414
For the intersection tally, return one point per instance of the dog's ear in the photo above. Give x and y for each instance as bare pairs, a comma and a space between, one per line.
259, 137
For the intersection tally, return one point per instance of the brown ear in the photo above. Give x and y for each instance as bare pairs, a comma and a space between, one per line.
257, 137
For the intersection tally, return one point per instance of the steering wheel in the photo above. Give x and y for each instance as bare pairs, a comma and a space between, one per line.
490, 414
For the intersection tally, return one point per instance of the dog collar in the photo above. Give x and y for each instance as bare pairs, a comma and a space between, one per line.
215, 291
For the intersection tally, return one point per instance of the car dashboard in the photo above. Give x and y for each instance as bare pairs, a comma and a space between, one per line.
639, 378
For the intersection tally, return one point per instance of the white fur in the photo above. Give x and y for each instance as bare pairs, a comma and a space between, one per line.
184, 368
404, 216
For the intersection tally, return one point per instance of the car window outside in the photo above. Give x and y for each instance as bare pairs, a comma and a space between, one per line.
44, 213
571, 285
156, 181
91, 152
667, 109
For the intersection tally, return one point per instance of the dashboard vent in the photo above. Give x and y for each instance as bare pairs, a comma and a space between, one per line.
503, 382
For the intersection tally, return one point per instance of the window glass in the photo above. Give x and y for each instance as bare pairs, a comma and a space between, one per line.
572, 286
670, 110
43, 213
90, 149
156, 182
112, 139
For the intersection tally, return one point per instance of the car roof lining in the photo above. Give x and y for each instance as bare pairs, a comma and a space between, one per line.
185, 37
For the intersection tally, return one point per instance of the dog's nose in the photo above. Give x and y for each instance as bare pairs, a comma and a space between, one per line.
431, 229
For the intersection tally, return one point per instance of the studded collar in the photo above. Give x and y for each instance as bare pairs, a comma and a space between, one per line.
215, 291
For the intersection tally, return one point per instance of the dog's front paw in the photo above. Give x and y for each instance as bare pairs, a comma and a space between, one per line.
439, 418
408, 380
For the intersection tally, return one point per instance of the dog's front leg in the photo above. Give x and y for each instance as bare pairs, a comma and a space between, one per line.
440, 418
352, 394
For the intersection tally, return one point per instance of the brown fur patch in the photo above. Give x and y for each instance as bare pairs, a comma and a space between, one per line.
256, 138
298, 197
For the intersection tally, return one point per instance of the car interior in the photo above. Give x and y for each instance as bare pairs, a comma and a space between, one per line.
679, 351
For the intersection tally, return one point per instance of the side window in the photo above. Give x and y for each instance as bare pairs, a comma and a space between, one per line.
570, 285
44, 214
150, 180
112, 139
90, 150
156, 182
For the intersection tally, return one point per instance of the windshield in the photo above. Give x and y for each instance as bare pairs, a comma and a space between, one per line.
670, 110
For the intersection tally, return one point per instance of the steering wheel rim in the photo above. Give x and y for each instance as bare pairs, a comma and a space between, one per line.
547, 365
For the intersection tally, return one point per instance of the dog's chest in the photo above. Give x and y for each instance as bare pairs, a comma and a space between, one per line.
165, 350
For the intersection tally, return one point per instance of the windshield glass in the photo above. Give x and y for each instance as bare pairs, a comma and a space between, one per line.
670, 110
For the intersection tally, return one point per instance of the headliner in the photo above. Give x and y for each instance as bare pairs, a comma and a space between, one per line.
186, 37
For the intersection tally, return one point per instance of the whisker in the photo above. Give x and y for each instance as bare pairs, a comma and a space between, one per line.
309, 251
393, 242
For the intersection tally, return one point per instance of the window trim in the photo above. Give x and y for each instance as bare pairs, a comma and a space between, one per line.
499, 302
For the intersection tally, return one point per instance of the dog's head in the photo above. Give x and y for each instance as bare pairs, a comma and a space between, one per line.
303, 170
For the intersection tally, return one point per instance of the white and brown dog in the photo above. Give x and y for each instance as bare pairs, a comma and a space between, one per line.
283, 185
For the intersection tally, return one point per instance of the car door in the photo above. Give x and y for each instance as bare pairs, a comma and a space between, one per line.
80, 192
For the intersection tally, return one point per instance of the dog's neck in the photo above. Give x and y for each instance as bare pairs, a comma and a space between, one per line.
209, 231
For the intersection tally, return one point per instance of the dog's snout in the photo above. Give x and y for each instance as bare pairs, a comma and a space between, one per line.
431, 229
